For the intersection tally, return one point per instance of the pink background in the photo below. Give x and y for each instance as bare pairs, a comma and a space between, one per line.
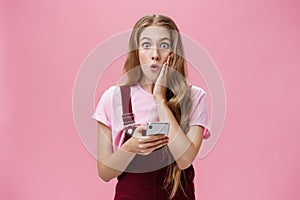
255, 45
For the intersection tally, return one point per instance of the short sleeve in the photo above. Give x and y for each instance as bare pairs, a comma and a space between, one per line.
199, 111
103, 109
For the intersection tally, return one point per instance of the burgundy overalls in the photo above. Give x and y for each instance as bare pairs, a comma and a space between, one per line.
150, 185
145, 176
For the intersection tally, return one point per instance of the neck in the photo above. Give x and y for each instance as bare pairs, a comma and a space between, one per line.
147, 86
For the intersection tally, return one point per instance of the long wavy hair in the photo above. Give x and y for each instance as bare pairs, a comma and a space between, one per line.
178, 91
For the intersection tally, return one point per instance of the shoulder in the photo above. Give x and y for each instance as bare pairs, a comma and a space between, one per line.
197, 92
114, 92
110, 93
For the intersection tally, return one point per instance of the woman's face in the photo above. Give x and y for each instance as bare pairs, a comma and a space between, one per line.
154, 48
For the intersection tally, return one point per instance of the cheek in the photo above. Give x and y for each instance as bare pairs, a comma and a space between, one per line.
142, 57
165, 54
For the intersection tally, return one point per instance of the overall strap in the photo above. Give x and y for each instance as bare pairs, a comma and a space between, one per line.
127, 116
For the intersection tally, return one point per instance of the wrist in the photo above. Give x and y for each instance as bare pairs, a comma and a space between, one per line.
125, 147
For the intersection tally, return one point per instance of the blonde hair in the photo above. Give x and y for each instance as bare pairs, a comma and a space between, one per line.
178, 92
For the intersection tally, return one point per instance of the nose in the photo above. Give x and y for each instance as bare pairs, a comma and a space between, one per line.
155, 54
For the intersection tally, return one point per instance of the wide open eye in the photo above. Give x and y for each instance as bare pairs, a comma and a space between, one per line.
146, 45
164, 45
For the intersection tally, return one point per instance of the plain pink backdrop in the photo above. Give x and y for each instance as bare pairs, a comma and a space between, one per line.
255, 45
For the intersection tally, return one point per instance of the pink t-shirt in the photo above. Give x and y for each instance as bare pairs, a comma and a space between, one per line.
109, 109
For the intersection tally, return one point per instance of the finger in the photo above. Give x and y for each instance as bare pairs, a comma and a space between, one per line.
139, 130
168, 59
142, 152
171, 57
155, 138
156, 147
152, 138
155, 143
166, 71
142, 127
162, 70
170, 63
161, 74
146, 151
165, 63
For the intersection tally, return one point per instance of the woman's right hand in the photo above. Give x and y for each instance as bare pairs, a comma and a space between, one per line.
144, 145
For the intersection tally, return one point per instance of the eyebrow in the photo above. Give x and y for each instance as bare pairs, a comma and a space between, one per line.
147, 38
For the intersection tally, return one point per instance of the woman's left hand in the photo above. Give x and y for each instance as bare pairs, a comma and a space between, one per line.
159, 91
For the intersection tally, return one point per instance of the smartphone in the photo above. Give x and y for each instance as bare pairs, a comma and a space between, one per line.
154, 128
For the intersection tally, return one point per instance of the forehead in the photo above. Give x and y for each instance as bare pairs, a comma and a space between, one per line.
155, 32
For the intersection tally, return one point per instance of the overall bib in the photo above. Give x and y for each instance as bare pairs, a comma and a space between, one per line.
149, 185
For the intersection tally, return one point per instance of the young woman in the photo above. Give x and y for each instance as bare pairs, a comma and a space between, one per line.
156, 166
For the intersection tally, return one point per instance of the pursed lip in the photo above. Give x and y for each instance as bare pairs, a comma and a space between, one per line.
156, 64
154, 67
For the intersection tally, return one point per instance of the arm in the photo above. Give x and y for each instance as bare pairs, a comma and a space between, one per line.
184, 147
112, 164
